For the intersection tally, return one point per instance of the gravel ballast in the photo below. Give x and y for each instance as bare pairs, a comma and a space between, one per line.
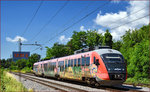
33, 85
39, 87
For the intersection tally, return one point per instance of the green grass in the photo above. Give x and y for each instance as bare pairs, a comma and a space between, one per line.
141, 81
8, 83
24, 70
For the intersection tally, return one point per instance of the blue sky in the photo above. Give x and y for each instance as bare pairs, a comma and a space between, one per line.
15, 16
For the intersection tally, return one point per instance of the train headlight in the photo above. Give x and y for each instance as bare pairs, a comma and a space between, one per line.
109, 69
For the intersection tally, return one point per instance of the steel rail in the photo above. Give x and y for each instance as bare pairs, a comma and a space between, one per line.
77, 89
52, 84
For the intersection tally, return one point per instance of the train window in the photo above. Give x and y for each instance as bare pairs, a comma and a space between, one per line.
54, 65
58, 63
66, 65
87, 61
71, 62
94, 60
35, 67
112, 58
75, 62
50, 66
45, 67
83, 61
62, 66
97, 62
79, 61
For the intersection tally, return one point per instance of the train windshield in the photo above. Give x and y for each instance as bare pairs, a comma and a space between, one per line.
112, 58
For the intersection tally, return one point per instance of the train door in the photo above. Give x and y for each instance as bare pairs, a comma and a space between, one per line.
60, 68
94, 64
83, 66
69, 70
87, 68
77, 69
40, 69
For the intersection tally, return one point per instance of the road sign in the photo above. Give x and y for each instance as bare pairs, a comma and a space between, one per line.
20, 55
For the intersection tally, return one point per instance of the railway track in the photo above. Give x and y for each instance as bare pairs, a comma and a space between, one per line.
53, 84
70, 86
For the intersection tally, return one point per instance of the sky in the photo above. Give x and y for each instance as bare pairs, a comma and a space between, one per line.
47, 22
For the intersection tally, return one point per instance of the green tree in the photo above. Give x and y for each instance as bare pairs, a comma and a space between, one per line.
32, 59
3, 61
93, 39
135, 49
13, 66
117, 45
59, 50
107, 39
78, 40
49, 53
21, 63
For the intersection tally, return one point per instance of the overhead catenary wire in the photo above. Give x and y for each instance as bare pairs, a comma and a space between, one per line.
126, 16
32, 18
87, 15
117, 26
50, 20
130, 22
78, 14
76, 22
69, 32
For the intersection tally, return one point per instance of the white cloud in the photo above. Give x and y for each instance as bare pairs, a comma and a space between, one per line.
63, 39
82, 28
100, 31
115, 1
16, 39
112, 20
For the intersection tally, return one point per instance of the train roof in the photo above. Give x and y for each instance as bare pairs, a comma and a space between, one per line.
99, 51
66, 57
104, 51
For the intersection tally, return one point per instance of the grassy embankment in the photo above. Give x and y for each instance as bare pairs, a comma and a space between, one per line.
24, 70
140, 82
9, 83
131, 81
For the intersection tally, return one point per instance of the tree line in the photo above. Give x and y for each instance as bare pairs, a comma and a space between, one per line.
78, 41
134, 45
20, 64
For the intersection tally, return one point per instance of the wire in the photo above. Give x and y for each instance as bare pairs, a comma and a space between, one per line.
76, 22
130, 21
78, 14
126, 16
115, 27
32, 18
49, 20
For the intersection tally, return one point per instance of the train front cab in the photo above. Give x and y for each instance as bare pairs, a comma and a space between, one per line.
110, 67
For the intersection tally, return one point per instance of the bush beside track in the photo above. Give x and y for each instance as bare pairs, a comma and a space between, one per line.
9, 83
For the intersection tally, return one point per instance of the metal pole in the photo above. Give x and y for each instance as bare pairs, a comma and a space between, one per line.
19, 53
20, 45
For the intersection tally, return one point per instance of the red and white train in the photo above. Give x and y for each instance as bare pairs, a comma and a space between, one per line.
98, 67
